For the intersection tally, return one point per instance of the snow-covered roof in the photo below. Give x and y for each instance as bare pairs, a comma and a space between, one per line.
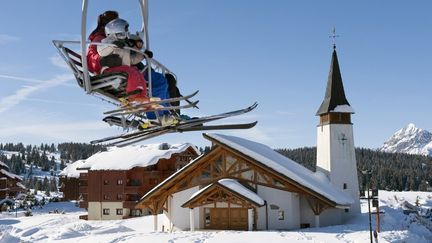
343, 109
3, 164
19, 184
240, 189
234, 186
128, 157
284, 166
10, 175
71, 170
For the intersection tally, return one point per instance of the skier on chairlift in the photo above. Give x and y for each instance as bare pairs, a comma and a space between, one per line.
117, 59
97, 35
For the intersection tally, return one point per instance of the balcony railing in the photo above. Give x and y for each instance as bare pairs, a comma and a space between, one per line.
131, 189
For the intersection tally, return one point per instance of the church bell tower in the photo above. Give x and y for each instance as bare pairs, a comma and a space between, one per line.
335, 140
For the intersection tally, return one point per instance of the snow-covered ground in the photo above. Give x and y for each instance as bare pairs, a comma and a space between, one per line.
44, 227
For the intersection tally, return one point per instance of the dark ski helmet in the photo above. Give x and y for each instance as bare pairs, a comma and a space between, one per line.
117, 28
106, 17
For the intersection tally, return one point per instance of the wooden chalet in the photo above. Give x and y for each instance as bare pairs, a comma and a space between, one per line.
116, 179
10, 184
244, 185
69, 181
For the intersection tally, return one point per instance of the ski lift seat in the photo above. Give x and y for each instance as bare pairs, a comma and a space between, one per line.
112, 84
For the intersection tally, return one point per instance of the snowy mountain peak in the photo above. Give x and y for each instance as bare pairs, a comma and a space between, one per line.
410, 129
411, 140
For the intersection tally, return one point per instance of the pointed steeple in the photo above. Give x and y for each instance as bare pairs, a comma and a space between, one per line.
335, 94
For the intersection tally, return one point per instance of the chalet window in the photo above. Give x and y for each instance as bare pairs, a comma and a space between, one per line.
119, 182
106, 182
281, 215
135, 212
207, 217
119, 196
106, 197
346, 210
119, 211
106, 211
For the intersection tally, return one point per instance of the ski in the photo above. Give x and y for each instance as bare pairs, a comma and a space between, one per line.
140, 109
137, 136
218, 127
191, 128
169, 100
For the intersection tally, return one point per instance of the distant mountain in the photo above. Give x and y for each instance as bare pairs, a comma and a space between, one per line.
410, 140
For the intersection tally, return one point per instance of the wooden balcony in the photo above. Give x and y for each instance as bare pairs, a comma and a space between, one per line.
131, 189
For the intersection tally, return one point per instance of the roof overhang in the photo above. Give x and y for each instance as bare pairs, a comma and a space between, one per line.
214, 188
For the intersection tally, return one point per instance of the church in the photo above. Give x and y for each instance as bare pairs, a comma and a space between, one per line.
245, 185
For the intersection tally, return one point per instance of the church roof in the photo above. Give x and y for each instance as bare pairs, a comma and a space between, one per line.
312, 182
335, 94
284, 166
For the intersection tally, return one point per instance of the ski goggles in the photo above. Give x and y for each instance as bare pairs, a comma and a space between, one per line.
121, 35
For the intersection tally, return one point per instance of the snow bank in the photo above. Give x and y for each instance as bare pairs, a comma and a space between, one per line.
44, 227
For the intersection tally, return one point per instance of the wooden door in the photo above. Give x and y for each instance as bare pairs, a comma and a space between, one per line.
219, 218
238, 219
228, 218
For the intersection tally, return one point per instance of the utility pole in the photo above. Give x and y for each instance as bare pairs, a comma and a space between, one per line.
367, 174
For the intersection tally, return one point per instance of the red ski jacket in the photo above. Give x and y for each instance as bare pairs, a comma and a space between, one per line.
93, 58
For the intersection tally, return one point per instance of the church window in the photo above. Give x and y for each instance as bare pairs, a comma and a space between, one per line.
345, 186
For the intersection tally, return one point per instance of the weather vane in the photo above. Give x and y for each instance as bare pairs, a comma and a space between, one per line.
334, 36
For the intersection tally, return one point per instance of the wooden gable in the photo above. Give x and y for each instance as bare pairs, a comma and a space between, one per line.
225, 162
219, 193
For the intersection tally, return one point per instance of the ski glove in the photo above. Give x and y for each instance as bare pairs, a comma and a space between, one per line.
149, 53
119, 43
112, 60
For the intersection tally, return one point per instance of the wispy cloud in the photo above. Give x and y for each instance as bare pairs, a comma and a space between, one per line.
61, 131
64, 102
31, 80
11, 101
5, 39
58, 62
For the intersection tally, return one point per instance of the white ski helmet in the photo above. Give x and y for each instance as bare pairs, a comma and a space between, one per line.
117, 28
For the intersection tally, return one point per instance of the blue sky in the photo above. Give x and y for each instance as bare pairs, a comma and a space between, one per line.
235, 52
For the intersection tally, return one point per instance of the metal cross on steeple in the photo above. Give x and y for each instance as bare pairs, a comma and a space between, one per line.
334, 36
